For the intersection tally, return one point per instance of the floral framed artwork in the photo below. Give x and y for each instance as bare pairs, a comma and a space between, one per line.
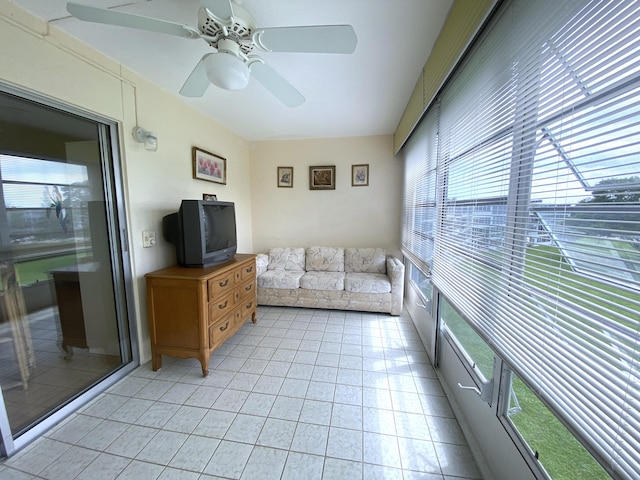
322, 177
360, 175
209, 166
285, 177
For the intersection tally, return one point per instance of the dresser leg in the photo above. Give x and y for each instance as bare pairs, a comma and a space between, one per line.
204, 363
156, 361
253, 317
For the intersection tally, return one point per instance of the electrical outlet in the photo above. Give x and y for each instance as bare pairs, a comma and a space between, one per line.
148, 239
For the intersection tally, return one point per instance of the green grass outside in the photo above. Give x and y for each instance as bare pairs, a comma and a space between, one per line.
33, 271
480, 353
546, 269
559, 452
617, 248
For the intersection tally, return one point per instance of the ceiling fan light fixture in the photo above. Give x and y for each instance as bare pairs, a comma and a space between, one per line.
227, 71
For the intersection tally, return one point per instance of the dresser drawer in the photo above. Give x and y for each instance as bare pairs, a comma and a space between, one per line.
247, 307
221, 284
248, 271
221, 306
223, 329
245, 290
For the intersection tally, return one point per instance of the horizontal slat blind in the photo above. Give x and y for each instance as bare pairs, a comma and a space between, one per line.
537, 236
419, 206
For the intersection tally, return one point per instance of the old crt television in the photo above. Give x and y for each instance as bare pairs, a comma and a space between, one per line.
203, 232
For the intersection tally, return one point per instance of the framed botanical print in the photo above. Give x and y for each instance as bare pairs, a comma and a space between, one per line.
285, 177
209, 166
360, 175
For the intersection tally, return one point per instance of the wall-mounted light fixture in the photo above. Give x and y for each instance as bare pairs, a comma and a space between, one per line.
148, 138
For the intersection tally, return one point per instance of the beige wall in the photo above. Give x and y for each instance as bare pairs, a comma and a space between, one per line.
346, 216
51, 64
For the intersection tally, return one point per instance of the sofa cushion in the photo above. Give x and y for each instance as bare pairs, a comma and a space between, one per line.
280, 279
325, 259
365, 260
286, 259
367, 283
322, 281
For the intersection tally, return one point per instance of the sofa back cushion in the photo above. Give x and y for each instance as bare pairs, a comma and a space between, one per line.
325, 259
287, 258
365, 260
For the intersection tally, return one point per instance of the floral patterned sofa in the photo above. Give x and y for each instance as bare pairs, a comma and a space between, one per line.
363, 279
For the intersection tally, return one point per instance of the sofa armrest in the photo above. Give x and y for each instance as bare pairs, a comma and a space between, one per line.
262, 262
395, 272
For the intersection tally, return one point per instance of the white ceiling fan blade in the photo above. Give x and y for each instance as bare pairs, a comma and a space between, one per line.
220, 8
122, 19
309, 39
197, 82
276, 84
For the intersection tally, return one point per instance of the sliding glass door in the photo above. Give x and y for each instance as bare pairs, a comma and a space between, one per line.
63, 311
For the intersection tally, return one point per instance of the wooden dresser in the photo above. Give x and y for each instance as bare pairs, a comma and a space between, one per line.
192, 311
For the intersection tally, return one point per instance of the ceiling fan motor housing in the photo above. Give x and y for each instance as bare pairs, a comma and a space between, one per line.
239, 29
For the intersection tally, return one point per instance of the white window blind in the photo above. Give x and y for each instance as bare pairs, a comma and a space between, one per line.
537, 239
419, 208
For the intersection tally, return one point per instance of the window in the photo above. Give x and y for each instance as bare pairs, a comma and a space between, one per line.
536, 234
474, 350
561, 455
422, 283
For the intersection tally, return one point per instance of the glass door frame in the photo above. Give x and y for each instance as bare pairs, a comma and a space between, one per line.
121, 266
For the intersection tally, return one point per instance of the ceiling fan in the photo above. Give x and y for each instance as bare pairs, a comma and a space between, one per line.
232, 33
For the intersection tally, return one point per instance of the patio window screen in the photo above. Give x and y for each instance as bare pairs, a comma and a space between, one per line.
537, 233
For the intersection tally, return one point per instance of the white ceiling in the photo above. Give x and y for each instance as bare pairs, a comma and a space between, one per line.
360, 94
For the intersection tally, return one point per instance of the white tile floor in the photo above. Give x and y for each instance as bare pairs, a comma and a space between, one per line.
302, 394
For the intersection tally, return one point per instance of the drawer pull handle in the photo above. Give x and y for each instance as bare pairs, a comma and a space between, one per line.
223, 284
226, 325
249, 305
223, 305
249, 270
248, 288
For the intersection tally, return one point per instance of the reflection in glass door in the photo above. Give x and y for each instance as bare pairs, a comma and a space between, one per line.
63, 322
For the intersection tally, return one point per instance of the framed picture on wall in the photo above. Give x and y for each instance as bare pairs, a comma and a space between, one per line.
360, 175
285, 177
209, 166
322, 177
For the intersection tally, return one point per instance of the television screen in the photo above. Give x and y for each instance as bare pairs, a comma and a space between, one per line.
219, 226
